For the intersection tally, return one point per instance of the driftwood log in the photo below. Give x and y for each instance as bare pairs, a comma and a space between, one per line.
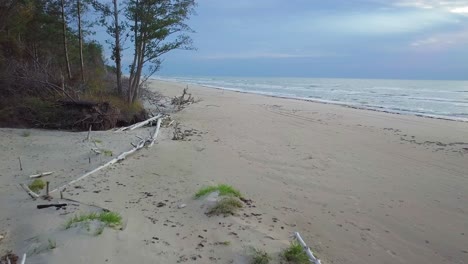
29, 192
41, 174
141, 144
307, 250
137, 125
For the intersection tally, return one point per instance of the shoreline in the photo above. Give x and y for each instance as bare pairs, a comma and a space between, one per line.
320, 101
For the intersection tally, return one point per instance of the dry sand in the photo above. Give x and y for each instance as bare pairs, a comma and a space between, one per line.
360, 186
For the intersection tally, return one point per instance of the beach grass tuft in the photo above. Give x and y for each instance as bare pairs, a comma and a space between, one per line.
52, 244
110, 219
223, 189
295, 254
37, 185
226, 206
107, 152
260, 256
26, 134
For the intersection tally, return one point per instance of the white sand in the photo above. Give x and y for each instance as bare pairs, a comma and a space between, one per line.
360, 186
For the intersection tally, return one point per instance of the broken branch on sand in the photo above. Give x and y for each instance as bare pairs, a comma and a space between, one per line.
28, 191
141, 144
41, 174
307, 250
137, 125
156, 132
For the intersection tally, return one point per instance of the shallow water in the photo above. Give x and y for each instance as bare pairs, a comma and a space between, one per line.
446, 99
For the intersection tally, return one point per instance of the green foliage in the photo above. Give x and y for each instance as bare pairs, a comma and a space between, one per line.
223, 190
226, 206
37, 185
26, 134
155, 37
260, 256
107, 152
111, 219
295, 254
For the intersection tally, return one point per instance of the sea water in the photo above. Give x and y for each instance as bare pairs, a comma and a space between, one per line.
444, 99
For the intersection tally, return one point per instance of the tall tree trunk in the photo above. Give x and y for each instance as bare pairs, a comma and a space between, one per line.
118, 59
131, 80
80, 37
65, 44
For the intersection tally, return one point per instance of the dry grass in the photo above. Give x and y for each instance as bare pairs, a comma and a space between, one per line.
226, 206
260, 256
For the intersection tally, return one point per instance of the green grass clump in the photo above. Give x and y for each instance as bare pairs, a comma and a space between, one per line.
223, 189
108, 218
296, 254
26, 134
52, 244
260, 257
98, 141
226, 206
107, 152
37, 185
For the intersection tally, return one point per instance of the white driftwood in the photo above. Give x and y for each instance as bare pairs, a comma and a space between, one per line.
31, 193
8, 260
156, 132
89, 134
141, 144
41, 174
137, 125
170, 123
309, 253
23, 261
96, 150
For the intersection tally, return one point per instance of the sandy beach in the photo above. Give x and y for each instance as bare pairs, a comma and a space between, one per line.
360, 186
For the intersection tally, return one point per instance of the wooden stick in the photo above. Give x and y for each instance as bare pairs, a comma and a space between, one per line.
141, 144
137, 125
47, 188
91, 205
309, 253
21, 166
31, 193
156, 132
89, 132
23, 261
41, 174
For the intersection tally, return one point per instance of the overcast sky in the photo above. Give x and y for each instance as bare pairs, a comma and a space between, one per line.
405, 39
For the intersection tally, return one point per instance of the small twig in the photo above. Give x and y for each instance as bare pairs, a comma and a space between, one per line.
21, 166
41, 174
23, 261
89, 132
